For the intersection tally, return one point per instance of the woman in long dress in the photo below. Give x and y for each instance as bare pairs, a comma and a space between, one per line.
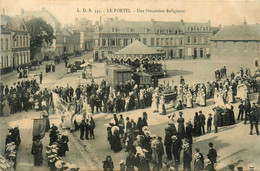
154, 105
202, 98
6, 108
220, 101
215, 95
189, 100
230, 96
162, 110
181, 129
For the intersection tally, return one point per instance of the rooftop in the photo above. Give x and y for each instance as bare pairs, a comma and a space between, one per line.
136, 48
243, 32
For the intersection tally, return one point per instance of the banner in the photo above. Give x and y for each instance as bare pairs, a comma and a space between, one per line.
39, 127
60, 108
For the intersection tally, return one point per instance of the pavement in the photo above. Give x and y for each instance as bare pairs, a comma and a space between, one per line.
233, 143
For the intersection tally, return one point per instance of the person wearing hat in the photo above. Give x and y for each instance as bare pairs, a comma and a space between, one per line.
181, 130
198, 160
209, 123
64, 144
189, 133
247, 110
202, 121
121, 125
254, 119
37, 151
187, 156
208, 165
168, 143
212, 154
241, 111
108, 164
122, 165
176, 148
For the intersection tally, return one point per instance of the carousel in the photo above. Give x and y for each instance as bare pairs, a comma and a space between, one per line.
144, 63
141, 58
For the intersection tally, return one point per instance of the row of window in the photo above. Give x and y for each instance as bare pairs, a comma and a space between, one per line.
196, 39
158, 31
21, 41
153, 41
18, 41
20, 58
198, 28
4, 45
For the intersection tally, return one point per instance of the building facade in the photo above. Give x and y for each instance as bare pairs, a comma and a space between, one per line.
15, 43
237, 40
177, 39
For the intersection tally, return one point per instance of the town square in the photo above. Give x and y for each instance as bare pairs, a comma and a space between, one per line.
111, 93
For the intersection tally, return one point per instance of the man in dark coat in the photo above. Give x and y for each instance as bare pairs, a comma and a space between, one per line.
247, 109
130, 161
187, 156
64, 144
254, 119
189, 133
82, 129
168, 144
176, 148
202, 121
241, 108
212, 154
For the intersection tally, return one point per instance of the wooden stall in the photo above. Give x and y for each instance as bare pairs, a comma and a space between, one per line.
115, 73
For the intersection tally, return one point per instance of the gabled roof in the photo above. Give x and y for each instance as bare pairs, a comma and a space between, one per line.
137, 48
13, 23
238, 32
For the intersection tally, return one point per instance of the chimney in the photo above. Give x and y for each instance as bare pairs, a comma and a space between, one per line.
43, 9
100, 20
22, 11
116, 18
3, 11
152, 20
209, 22
220, 26
181, 21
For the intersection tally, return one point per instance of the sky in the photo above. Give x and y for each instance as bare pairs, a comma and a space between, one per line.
224, 12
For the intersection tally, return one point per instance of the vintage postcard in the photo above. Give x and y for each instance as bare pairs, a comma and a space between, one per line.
129, 85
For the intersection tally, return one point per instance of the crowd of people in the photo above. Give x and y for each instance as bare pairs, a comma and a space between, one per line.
146, 149
24, 95
22, 72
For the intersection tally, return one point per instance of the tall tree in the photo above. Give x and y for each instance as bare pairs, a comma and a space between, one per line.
41, 33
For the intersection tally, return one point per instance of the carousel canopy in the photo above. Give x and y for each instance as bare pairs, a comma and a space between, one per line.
137, 48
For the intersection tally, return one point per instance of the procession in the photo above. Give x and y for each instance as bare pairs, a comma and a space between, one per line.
126, 95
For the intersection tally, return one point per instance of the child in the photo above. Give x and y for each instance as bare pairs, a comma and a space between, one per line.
209, 123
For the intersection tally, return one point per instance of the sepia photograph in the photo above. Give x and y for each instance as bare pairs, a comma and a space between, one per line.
129, 85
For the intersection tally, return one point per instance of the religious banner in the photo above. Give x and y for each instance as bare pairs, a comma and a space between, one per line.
60, 107
39, 127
